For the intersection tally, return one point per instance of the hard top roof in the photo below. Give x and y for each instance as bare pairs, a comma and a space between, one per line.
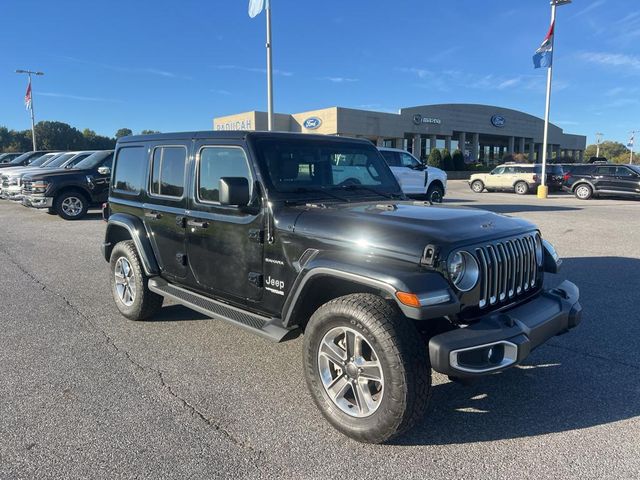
233, 135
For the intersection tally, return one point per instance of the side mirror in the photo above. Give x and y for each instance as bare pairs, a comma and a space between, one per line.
234, 191
104, 170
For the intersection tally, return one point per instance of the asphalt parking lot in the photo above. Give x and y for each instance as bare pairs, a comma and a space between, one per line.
85, 393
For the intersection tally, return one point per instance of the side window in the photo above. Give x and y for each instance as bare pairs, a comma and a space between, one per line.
509, 170
107, 162
407, 160
391, 158
498, 171
167, 171
131, 169
605, 170
218, 162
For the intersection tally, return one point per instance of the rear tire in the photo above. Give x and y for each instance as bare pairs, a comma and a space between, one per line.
129, 284
377, 338
71, 205
583, 192
477, 186
521, 188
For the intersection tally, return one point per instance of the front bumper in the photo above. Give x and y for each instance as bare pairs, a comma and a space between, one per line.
37, 201
503, 339
11, 193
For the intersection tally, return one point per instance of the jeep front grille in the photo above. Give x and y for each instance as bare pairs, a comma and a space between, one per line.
507, 269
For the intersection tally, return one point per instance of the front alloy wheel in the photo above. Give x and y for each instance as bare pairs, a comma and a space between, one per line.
351, 372
367, 367
71, 205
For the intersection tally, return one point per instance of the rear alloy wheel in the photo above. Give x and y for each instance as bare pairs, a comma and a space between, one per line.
583, 192
367, 367
435, 194
130, 284
521, 188
71, 205
477, 186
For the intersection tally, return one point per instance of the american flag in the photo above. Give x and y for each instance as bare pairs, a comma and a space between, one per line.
27, 96
544, 54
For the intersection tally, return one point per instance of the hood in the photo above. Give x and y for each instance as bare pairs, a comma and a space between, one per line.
54, 172
16, 171
404, 229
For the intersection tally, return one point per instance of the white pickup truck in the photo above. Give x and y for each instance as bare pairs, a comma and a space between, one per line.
415, 178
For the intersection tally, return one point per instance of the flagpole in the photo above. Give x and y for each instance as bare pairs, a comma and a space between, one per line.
542, 189
33, 121
269, 69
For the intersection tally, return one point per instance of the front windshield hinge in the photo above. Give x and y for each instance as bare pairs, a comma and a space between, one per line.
429, 256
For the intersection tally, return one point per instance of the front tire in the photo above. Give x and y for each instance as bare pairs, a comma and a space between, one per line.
366, 367
71, 205
477, 186
129, 284
435, 194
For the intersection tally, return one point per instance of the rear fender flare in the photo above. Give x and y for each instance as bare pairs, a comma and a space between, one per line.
134, 226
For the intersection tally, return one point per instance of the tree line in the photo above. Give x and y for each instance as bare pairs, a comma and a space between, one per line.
60, 136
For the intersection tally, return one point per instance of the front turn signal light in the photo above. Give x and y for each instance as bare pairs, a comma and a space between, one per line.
408, 299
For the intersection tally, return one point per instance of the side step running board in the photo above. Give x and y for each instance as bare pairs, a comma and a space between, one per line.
264, 326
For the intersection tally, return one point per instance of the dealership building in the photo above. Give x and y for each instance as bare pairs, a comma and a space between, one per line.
482, 132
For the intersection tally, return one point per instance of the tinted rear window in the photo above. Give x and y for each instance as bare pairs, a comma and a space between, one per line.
131, 169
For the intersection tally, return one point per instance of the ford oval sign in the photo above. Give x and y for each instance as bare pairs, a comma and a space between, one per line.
498, 121
312, 123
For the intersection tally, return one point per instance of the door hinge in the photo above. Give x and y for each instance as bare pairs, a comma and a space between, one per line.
256, 279
181, 258
256, 236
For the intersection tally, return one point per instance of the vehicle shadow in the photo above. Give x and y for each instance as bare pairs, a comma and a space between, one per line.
511, 208
178, 313
588, 377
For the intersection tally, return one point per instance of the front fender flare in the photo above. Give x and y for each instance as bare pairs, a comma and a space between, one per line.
138, 234
389, 279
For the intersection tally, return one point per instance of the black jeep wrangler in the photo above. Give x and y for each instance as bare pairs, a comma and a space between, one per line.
274, 233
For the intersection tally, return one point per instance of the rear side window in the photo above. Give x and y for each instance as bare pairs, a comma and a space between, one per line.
218, 162
167, 171
131, 169
606, 171
392, 158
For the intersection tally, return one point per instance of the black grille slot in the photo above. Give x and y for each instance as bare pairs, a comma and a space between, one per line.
507, 269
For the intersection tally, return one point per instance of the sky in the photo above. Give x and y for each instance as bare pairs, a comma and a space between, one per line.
174, 65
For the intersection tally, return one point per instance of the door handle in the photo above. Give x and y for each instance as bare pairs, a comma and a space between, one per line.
197, 224
153, 215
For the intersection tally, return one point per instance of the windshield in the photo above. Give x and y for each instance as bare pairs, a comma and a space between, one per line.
321, 167
59, 161
20, 159
93, 160
42, 160
635, 168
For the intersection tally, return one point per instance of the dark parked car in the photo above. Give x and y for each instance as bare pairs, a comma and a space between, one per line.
7, 157
24, 159
69, 192
276, 232
554, 174
603, 180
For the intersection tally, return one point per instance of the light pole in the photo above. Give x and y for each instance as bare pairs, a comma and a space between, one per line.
543, 190
630, 145
598, 139
33, 123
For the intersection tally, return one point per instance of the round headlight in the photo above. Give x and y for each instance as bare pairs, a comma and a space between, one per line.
463, 270
539, 251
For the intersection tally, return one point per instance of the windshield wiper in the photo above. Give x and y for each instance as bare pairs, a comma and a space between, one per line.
357, 186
